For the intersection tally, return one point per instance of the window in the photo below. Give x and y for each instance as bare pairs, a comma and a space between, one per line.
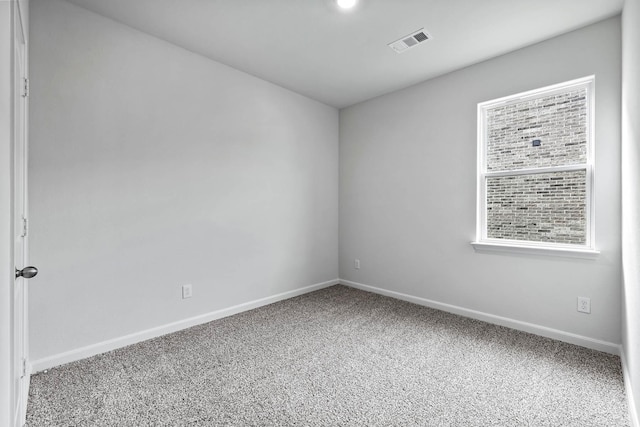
535, 171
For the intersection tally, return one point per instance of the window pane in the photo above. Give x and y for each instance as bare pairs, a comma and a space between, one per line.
546, 207
547, 131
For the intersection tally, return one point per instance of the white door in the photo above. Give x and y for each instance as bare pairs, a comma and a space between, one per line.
20, 381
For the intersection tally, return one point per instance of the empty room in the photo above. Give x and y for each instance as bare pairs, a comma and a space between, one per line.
320, 213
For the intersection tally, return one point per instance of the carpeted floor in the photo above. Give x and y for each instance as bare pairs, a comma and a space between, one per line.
337, 357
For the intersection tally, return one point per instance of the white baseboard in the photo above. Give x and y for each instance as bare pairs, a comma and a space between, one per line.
633, 410
532, 328
102, 347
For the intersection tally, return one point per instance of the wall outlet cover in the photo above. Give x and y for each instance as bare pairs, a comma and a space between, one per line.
584, 305
187, 291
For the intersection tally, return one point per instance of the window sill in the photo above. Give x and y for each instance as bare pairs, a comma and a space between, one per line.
535, 250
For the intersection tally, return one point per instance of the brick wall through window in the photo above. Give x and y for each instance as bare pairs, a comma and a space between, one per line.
535, 167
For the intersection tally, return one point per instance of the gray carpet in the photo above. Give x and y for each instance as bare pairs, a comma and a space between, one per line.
336, 357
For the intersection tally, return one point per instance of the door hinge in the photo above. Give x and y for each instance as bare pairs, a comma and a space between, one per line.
24, 368
25, 227
25, 93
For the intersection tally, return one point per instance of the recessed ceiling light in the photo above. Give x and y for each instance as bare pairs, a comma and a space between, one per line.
346, 4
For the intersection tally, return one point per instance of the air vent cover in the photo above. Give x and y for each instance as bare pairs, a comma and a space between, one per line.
411, 40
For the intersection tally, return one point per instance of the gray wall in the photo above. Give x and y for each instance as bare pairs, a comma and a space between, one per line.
408, 192
152, 167
630, 193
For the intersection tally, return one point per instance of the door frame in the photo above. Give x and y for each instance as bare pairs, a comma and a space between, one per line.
6, 211
8, 90
21, 238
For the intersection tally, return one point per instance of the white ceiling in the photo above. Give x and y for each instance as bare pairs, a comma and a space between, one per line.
341, 58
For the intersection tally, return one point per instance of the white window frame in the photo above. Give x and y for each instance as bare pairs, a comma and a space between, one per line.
482, 242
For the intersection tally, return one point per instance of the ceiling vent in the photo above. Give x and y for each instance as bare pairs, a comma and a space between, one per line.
411, 40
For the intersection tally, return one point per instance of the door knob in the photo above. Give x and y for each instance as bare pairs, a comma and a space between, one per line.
27, 272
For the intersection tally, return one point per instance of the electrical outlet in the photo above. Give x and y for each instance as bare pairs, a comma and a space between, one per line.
584, 305
187, 291
356, 264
